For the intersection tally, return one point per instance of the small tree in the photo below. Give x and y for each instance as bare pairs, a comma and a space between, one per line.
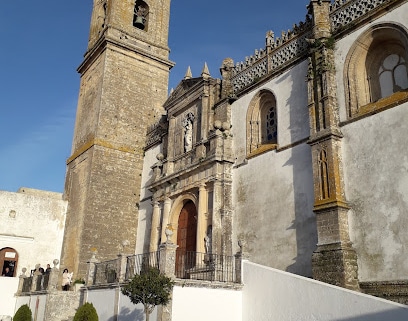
151, 288
87, 312
23, 313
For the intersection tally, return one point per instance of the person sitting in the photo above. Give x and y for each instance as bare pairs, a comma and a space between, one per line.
7, 272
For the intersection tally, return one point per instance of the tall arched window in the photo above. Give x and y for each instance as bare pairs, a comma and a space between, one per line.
262, 123
376, 68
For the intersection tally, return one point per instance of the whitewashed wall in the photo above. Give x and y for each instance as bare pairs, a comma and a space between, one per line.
271, 294
36, 303
376, 179
36, 230
376, 176
110, 303
203, 304
273, 192
8, 287
145, 206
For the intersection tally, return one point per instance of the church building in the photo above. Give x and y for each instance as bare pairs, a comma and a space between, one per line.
294, 159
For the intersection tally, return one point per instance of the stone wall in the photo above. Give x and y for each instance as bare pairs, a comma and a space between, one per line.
33, 223
124, 79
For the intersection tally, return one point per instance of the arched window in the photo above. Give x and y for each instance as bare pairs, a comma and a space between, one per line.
262, 124
392, 75
376, 68
141, 15
8, 261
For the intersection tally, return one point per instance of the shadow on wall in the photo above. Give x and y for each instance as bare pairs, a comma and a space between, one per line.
126, 314
304, 222
397, 314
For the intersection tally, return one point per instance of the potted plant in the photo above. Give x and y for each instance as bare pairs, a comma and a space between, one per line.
78, 283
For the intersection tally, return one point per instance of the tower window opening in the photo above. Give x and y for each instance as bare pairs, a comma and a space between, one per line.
141, 13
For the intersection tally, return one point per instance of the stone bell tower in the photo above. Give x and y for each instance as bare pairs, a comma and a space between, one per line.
124, 82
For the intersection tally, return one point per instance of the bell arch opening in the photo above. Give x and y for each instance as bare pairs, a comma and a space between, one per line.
141, 15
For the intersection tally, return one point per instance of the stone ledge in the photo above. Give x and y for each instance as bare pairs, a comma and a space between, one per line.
396, 290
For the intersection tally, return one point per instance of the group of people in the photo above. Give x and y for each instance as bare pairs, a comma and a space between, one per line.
42, 271
66, 277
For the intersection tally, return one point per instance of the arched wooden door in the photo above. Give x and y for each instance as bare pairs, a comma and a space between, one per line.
186, 239
8, 259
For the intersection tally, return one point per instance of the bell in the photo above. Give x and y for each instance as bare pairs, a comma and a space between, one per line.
139, 23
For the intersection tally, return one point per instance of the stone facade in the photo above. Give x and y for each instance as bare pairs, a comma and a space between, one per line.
286, 193
33, 224
294, 158
124, 80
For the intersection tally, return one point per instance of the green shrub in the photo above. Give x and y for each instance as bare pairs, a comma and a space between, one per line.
86, 312
79, 281
23, 313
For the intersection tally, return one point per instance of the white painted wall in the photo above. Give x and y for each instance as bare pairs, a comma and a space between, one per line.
37, 229
271, 294
111, 302
273, 202
8, 287
145, 205
104, 303
36, 304
376, 185
273, 192
203, 304
375, 170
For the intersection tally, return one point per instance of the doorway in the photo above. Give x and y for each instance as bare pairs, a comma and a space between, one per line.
186, 239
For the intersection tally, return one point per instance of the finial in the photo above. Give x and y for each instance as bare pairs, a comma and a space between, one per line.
205, 73
188, 73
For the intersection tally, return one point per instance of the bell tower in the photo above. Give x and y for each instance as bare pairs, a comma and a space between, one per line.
124, 82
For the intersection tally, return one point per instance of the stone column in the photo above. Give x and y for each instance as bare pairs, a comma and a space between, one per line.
335, 260
154, 233
166, 216
90, 277
201, 220
36, 275
122, 263
227, 90
168, 169
167, 267
21, 279
238, 267
216, 219
54, 277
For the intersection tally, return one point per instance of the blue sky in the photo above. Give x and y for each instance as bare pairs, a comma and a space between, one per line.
43, 43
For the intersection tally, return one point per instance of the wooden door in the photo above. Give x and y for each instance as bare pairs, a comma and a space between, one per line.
186, 238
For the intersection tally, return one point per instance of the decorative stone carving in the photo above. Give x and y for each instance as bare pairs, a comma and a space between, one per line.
188, 132
285, 49
343, 12
156, 132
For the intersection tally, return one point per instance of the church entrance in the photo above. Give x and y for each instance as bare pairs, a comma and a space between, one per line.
186, 239
8, 261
